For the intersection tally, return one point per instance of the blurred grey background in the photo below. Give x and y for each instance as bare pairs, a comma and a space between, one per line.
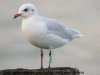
82, 53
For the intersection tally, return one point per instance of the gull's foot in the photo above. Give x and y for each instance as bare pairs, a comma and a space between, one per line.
49, 67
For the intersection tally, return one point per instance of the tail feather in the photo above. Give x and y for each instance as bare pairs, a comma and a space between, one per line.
75, 33
78, 35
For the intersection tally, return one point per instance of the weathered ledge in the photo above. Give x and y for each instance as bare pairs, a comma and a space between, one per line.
45, 71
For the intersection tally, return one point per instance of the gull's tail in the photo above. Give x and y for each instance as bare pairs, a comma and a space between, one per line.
78, 35
75, 33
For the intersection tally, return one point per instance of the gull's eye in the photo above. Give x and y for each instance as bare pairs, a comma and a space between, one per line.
26, 9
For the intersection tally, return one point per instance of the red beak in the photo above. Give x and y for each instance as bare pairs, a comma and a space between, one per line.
17, 15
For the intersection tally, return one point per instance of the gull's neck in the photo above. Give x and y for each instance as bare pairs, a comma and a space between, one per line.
32, 16
30, 19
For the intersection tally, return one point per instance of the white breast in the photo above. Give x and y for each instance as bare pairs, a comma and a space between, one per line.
32, 29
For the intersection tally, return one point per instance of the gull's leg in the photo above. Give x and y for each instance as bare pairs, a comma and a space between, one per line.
41, 59
50, 58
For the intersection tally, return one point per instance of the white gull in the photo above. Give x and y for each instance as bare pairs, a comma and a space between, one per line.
42, 32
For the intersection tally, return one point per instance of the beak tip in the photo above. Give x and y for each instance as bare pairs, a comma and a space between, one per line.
16, 15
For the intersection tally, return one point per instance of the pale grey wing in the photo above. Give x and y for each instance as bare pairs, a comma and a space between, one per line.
56, 28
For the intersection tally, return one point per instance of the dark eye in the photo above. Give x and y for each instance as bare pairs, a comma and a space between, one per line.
26, 9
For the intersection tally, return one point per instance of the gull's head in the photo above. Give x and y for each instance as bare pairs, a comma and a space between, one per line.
26, 10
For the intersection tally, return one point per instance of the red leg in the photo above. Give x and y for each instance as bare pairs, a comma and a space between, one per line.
50, 59
41, 59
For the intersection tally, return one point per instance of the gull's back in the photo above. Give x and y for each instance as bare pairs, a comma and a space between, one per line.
58, 29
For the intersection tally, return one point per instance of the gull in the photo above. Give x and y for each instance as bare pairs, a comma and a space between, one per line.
43, 32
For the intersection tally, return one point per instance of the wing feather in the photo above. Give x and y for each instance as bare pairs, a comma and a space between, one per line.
56, 28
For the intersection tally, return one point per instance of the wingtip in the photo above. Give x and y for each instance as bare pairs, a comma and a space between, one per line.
80, 35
